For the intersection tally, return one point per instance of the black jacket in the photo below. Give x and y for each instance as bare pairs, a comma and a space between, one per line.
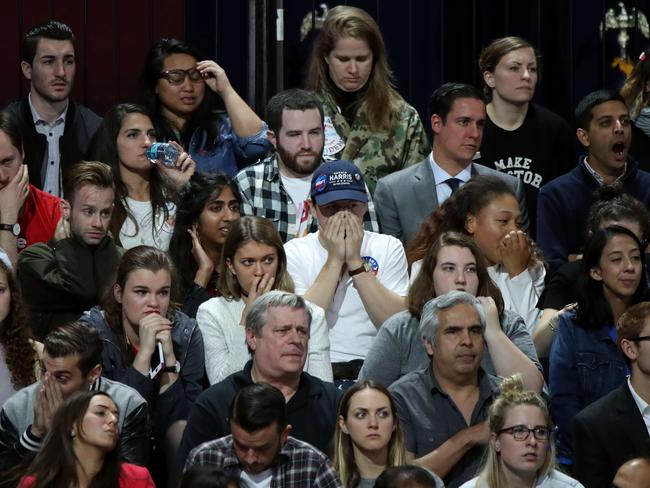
81, 123
311, 412
607, 433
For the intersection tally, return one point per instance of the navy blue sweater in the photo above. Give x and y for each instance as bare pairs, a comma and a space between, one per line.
563, 207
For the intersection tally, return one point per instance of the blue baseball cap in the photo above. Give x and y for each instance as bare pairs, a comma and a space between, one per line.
337, 180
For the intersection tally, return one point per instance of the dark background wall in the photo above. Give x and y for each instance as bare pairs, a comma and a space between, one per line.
428, 41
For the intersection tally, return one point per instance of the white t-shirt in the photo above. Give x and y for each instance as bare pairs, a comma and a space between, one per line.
142, 211
260, 480
298, 190
351, 330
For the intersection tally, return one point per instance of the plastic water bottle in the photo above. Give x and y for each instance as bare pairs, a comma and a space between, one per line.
164, 153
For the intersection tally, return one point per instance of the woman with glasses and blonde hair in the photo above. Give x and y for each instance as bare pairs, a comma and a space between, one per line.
175, 80
520, 453
366, 120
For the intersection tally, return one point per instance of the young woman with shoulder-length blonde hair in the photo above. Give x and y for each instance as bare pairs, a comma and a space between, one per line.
368, 438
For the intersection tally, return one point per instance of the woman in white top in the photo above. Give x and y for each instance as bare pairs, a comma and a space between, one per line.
146, 190
486, 209
253, 262
520, 453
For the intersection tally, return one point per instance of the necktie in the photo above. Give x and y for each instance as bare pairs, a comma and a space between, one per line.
453, 183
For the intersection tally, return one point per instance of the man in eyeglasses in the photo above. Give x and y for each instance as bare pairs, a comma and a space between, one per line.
358, 277
615, 428
57, 131
443, 408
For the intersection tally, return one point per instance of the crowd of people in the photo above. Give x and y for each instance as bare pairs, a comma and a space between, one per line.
321, 298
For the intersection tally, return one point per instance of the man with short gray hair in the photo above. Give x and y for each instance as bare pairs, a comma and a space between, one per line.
443, 408
277, 331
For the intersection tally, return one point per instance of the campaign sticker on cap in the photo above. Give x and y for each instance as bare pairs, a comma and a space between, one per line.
320, 183
372, 264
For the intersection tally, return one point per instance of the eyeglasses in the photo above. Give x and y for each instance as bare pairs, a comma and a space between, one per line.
521, 432
177, 76
640, 338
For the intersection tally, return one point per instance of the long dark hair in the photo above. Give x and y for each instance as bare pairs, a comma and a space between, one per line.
593, 309
203, 117
139, 257
422, 289
103, 147
15, 335
55, 465
192, 200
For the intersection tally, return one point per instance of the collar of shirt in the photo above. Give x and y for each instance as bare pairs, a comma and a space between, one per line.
598, 177
643, 406
38, 120
440, 176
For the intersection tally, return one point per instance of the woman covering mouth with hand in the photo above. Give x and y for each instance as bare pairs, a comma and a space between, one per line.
253, 262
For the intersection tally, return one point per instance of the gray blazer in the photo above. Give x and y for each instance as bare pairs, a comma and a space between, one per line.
404, 199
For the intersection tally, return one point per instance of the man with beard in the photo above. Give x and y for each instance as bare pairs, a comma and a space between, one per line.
57, 131
604, 129
278, 187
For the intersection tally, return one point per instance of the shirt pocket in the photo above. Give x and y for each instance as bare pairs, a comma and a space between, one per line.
598, 374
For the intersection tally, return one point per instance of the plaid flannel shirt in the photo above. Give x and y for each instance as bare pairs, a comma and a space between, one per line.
298, 465
263, 194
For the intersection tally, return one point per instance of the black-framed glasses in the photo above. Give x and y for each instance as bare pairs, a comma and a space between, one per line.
521, 432
640, 338
177, 76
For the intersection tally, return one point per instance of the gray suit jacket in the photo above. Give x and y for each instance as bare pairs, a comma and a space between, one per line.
404, 199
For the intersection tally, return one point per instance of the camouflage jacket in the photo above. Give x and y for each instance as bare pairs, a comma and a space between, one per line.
375, 153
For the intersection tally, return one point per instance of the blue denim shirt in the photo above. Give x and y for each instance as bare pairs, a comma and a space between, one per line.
585, 364
229, 153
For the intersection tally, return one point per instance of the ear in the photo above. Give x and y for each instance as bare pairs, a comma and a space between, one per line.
436, 123
94, 373
65, 209
285, 433
488, 77
583, 137
470, 224
251, 339
595, 274
270, 135
26, 69
230, 266
427, 346
342, 425
629, 349
117, 293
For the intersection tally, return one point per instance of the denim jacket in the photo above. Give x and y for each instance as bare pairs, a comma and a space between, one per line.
229, 153
585, 364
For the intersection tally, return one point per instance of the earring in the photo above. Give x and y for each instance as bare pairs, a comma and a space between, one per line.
73, 434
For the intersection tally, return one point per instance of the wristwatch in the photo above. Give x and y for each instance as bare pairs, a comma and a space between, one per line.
175, 368
361, 269
13, 228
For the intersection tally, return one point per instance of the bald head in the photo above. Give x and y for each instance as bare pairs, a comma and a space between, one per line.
633, 474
